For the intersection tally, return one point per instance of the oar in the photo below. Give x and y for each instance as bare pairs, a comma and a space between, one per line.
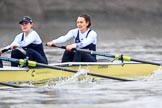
117, 56
35, 64
12, 85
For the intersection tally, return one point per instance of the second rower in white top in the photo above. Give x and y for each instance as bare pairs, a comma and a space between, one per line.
84, 38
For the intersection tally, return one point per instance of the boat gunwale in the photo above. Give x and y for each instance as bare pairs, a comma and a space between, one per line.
66, 64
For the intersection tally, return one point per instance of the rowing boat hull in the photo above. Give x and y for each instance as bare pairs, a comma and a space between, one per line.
128, 70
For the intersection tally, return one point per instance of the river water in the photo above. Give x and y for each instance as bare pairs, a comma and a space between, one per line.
97, 93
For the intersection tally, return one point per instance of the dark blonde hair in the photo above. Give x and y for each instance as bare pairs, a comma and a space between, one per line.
87, 19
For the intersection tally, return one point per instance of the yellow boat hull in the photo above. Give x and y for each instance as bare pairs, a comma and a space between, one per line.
128, 70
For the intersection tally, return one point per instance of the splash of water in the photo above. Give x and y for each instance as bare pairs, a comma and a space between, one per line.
79, 77
157, 75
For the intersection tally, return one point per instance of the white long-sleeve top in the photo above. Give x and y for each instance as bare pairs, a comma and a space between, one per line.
32, 37
91, 38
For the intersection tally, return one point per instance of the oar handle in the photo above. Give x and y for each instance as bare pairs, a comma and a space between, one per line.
62, 47
74, 49
5, 50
